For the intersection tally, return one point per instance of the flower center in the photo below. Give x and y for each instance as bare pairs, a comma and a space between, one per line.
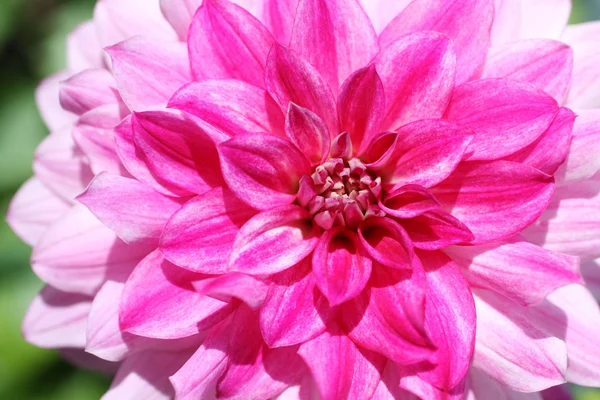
340, 193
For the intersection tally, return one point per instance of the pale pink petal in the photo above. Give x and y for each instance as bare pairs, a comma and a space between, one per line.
515, 350
411, 96
544, 18
507, 22
335, 36
226, 41
341, 267
234, 107
505, 115
87, 90
495, 200
157, 300
586, 79
308, 132
84, 49
522, 271
47, 100
273, 241
387, 242
382, 12
234, 285
200, 235
179, 14
148, 72
278, 16
408, 201
33, 210
361, 105
57, 319
436, 230
466, 22
292, 312
590, 270
547, 64
289, 78
263, 170
135, 212
333, 357
78, 253
483, 387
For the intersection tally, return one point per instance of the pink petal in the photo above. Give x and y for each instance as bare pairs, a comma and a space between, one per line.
87, 90
341, 267
415, 384
483, 387
157, 300
390, 318
450, 319
292, 310
308, 132
135, 212
436, 230
57, 319
200, 235
33, 210
466, 22
83, 48
47, 101
335, 36
250, 290
263, 170
387, 242
289, 78
389, 389
547, 64
179, 150
586, 79
180, 14
505, 115
495, 200
524, 272
411, 96
409, 201
148, 72
333, 357
551, 149
279, 18
273, 241
361, 105
382, 12
234, 107
543, 18
78, 254
513, 348
226, 41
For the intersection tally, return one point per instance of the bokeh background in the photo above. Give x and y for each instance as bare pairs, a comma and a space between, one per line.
32, 46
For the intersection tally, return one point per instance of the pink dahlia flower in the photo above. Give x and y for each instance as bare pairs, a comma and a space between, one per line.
325, 199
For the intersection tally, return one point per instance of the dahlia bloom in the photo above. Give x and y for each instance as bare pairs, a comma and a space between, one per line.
320, 199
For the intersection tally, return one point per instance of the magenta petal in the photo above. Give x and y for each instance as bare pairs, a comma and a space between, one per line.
200, 235
308, 132
505, 115
436, 230
495, 200
157, 300
411, 96
135, 212
232, 106
547, 64
466, 22
333, 357
148, 72
179, 149
450, 316
279, 18
387, 242
87, 90
409, 201
335, 36
226, 41
290, 314
340, 266
361, 105
425, 390
289, 78
273, 241
262, 170
516, 269
250, 290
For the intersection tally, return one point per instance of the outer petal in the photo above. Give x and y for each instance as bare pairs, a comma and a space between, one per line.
340, 266
410, 96
262, 170
135, 212
495, 200
57, 319
482, 387
332, 357
279, 18
547, 64
87, 90
83, 48
308, 132
226, 41
466, 22
148, 72
335, 36
200, 236
273, 241
291, 313
505, 115
179, 14
157, 300
47, 100
586, 79
546, 19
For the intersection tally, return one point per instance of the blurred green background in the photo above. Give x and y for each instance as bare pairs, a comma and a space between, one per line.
32, 46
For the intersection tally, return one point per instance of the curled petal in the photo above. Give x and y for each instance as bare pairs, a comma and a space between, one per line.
409, 201
250, 290
387, 242
87, 90
436, 230
308, 132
